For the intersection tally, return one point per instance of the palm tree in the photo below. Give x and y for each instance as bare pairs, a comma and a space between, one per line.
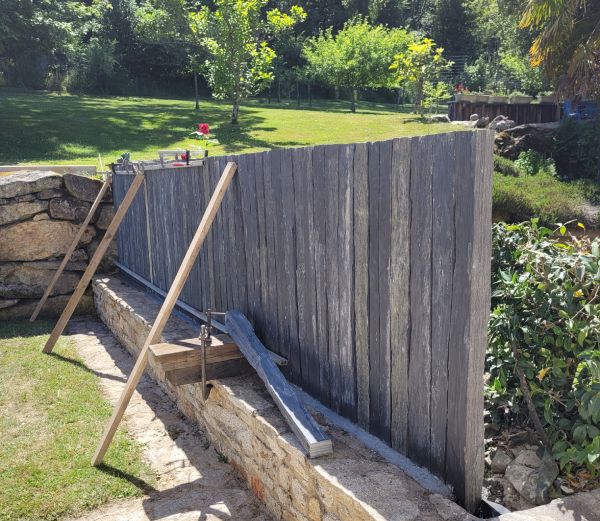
568, 43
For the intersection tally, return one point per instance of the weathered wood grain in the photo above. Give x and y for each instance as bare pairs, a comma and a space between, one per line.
399, 292
345, 346
442, 263
361, 281
419, 372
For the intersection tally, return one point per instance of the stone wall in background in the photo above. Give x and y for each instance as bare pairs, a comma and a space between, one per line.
40, 213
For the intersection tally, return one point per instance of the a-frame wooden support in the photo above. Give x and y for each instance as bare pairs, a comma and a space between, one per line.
93, 265
165, 311
71, 248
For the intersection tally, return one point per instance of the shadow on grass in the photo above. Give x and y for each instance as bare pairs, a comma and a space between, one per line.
24, 328
81, 365
134, 480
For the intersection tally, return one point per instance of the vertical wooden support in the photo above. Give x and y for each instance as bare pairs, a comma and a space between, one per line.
165, 310
93, 265
71, 249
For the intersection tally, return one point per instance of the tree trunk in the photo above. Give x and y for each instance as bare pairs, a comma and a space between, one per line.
398, 98
197, 97
337, 93
354, 97
278, 89
298, 94
235, 110
419, 96
309, 95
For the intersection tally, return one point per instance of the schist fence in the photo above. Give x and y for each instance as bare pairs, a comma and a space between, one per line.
366, 265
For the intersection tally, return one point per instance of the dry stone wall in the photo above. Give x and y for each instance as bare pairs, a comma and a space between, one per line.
40, 213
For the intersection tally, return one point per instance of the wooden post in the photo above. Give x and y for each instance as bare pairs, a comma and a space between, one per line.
71, 249
93, 265
166, 309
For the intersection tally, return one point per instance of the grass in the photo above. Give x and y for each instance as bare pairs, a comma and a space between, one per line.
42, 127
52, 416
554, 201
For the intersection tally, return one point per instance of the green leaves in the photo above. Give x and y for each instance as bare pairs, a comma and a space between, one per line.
545, 299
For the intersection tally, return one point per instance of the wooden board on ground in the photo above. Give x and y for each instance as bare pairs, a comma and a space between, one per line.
309, 433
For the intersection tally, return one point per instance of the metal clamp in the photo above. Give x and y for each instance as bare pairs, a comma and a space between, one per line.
205, 342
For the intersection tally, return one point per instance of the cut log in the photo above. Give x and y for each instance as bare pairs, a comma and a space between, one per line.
182, 360
307, 430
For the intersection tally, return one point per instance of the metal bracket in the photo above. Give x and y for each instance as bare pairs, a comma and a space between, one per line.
205, 342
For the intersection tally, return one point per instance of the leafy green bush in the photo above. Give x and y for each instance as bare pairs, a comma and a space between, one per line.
505, 166
546, 305
576, 150
531, 162
517, 199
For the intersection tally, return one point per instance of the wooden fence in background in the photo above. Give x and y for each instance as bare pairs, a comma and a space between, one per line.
366, 265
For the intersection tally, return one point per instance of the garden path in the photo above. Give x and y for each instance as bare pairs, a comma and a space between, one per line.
192, 482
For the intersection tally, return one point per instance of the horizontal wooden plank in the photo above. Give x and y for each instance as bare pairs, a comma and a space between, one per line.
213, 371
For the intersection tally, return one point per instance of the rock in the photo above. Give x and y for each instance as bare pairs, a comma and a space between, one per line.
105, 215
29, 182
6, 303
566, 490
84, 188
473, 117
498, 118
4, 201
79, 255
513, 500
79, 265
52, 308
30, 280
107, 263
41, 217
531, 476
10, 213
536, 136
69, 209
482, 122
502, 125
37, 240
440, 118
51, 193
25, 198
500, 461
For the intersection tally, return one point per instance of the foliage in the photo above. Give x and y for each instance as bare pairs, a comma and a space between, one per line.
358, 56
235, 34
435, 93
576, 150
544, 196
52, 414
422, 62
505, 166
531, 162
568, 42
546, 303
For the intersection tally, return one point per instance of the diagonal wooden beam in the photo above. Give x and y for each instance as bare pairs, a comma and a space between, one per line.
165, 310
71, 249
93, 265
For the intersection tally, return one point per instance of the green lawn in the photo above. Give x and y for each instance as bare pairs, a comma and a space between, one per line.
52, 416
38, 127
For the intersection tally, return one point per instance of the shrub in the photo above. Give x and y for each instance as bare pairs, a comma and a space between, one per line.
517, 199
576, 150
546, 305
531, 162
505, 166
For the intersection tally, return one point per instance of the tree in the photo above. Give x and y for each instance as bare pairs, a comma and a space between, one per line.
356, 57
235, 36
567, 45
422, 62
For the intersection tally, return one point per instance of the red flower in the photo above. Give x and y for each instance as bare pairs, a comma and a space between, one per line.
183, 156
203, 128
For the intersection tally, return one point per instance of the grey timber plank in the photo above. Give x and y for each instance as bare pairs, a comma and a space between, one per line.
361, 281
332, 153
419, 375
384, 232
442, 262
399, 292
347, 359
320, 253
374, 367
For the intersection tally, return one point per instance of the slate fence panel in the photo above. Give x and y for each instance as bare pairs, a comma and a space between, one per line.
366, 265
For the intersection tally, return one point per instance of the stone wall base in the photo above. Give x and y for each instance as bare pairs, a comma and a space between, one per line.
243, 423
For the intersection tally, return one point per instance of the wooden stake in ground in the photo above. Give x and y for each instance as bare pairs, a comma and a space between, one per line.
71, 249
165, 311
93, 265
